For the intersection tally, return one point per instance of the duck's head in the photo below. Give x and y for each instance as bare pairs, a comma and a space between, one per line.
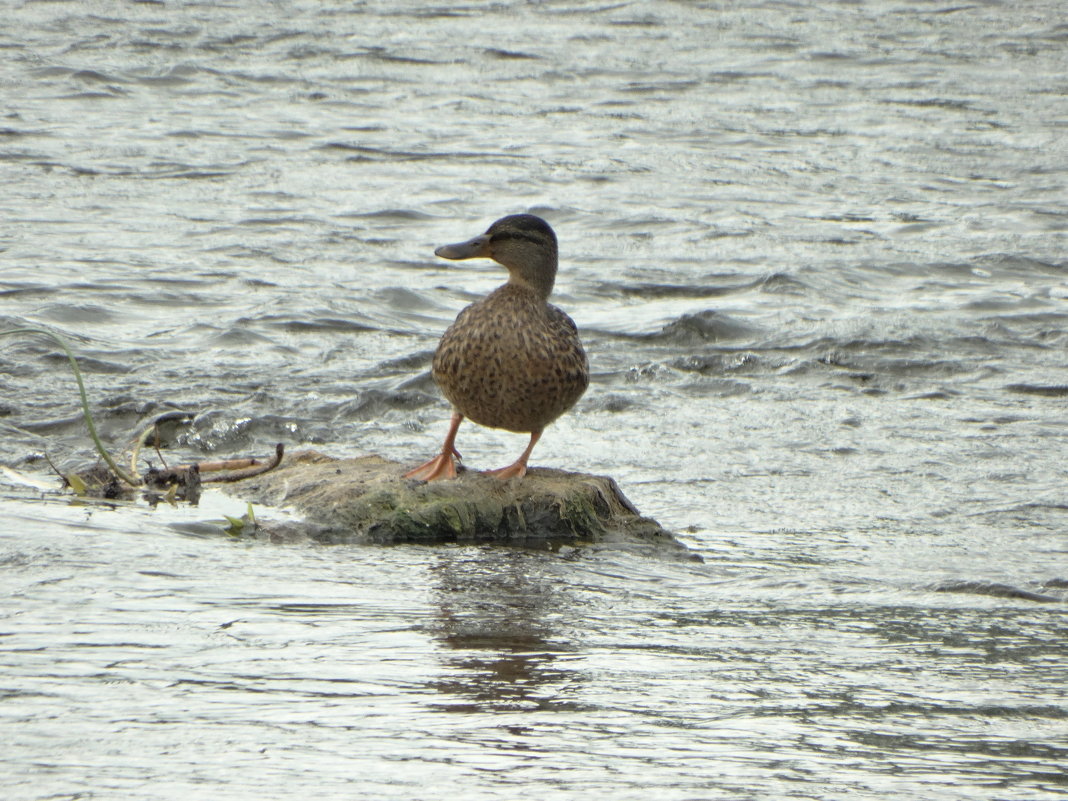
523, 243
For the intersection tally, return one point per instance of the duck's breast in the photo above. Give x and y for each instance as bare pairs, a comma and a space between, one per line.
512, 361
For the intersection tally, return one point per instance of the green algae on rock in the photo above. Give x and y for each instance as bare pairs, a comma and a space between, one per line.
367, 500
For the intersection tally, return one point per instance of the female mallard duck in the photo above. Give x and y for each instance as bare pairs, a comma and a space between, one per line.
512, 360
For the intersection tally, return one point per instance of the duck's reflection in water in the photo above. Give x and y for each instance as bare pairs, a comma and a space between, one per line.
502, 623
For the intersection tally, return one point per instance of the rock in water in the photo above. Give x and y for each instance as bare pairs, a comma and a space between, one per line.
366, 499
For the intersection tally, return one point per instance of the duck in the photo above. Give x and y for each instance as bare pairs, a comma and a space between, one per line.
511, 360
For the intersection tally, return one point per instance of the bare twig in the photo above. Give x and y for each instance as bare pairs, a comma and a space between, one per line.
153, 429
229, 464
52, 464
253, 467
162, 461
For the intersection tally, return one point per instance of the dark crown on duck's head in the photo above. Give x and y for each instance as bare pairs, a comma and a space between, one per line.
523, 243
523, 226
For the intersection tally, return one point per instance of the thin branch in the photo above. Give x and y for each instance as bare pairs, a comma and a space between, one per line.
255, 468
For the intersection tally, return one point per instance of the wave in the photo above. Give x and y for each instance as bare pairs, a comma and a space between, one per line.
994, 589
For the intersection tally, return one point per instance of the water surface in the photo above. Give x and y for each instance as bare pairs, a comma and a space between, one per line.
816, 253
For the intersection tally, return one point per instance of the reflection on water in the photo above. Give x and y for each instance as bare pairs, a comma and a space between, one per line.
495, 620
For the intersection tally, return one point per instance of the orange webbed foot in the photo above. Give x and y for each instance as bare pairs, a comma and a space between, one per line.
515, 470
518, 468
442, 466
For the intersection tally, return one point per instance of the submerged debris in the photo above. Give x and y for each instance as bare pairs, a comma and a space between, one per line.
179, 483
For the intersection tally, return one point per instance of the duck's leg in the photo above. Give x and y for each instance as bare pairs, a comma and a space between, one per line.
443, 465
518, 468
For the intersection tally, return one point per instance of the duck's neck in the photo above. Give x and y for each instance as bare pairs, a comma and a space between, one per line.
537, 276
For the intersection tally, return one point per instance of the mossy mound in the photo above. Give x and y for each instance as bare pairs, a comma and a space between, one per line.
367, 499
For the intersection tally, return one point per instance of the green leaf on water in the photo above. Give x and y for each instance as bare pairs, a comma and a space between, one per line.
236, 527
76, 484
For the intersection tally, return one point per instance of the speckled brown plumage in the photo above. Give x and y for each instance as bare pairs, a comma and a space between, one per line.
512, 360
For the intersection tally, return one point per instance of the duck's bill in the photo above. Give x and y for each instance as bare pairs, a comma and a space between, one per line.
471, 249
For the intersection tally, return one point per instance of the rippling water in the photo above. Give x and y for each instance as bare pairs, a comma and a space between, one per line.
816, 252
